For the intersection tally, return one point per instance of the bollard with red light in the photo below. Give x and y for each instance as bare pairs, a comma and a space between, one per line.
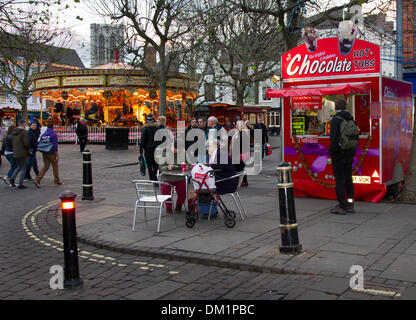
71, 271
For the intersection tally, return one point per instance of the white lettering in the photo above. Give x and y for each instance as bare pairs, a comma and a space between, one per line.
305, 64
357, 281
322, 67
289, 67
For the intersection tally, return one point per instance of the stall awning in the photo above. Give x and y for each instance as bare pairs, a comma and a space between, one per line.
296, 92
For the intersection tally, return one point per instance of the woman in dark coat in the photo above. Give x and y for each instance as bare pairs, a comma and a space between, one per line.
33, 146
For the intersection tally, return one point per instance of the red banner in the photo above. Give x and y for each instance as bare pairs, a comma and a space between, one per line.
307, 103
329, 60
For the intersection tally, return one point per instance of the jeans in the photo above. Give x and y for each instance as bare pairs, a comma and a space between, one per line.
152, 166
343, 178
82, 143
21, 168
32, 163
13, 164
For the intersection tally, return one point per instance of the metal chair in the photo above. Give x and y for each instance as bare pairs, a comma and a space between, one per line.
147, 193
236, 195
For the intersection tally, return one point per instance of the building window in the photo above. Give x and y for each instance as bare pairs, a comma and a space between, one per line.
209, 90
101, 48
113, 47
264, 93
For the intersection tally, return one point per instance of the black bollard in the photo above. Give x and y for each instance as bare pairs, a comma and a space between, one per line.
288, 223
71, 271
87, 192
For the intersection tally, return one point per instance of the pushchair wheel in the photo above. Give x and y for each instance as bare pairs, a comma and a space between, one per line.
231, 214
190, 223
230, 222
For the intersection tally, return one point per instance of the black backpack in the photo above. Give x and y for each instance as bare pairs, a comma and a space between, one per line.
348, 134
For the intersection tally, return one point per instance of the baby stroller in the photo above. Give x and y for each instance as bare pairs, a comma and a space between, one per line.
205, 183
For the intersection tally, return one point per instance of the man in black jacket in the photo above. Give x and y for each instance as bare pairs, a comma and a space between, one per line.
342, 162
149, 145
82, 134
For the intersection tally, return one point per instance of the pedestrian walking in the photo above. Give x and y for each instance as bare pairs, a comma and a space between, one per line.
50, 155
264, 137
7, 148
148, 145
239, 151
82, 134
342, 154
20, 153
33, 148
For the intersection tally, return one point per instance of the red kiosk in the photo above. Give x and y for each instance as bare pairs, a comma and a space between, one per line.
382, 108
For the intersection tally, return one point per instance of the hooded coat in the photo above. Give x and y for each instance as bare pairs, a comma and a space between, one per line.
20, 143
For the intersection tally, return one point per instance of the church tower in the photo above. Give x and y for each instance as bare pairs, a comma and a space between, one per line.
105, 40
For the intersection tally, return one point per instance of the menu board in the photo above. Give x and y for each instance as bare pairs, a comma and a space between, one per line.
307, 103
298, 125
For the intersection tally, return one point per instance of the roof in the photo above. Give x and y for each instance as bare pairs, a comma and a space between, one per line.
16, 45
114, 66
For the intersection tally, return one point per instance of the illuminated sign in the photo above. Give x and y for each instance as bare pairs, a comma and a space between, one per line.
361, 179
307, 103
298, 125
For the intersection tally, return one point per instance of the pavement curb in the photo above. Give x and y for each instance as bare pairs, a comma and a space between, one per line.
190, 257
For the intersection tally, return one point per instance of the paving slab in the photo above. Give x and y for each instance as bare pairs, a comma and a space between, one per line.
331, 261
212, 242
156, 291
354, 245
403, 268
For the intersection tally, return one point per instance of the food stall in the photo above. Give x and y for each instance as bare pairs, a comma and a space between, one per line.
382, 108
121, 95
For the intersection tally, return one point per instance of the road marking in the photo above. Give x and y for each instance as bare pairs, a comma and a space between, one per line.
30, 219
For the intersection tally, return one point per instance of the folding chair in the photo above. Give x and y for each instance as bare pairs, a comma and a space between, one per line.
236, 195
147, 193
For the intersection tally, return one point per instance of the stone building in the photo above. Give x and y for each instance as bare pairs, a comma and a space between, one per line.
105, 41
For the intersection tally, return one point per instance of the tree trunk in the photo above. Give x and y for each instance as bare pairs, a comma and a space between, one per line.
256, 93
409, 191
23, 104
163, 74
240, 95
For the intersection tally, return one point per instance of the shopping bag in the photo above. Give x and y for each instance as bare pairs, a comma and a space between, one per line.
143, 165
268, 149
198, 173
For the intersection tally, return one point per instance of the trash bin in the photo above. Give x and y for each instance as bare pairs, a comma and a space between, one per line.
117, 138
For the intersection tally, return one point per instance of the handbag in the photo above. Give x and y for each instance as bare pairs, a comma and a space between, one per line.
143, 165
268, 149
45, 146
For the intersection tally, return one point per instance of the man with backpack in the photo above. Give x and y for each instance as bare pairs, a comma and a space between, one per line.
344, 139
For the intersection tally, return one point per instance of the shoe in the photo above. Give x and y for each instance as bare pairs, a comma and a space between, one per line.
178, 208
338, 210
169, 210
12, 182
36, 183
244, 184
6, 180
21, 187
59, 183
350, 208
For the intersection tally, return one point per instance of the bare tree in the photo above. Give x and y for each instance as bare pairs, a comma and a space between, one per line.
243, 49
26, 47
157, 24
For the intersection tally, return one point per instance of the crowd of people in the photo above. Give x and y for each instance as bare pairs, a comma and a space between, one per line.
226, 164
20, 146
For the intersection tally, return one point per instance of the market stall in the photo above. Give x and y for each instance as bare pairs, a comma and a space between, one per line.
382, 108
114, 94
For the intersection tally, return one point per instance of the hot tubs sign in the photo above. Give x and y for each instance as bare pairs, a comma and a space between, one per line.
331, 57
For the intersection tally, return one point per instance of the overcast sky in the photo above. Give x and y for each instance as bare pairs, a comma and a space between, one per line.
81, 29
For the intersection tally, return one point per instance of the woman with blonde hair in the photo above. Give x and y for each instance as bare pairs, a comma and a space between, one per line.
241, 136
161, 122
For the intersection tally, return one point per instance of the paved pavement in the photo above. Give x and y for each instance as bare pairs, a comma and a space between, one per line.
239, 263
